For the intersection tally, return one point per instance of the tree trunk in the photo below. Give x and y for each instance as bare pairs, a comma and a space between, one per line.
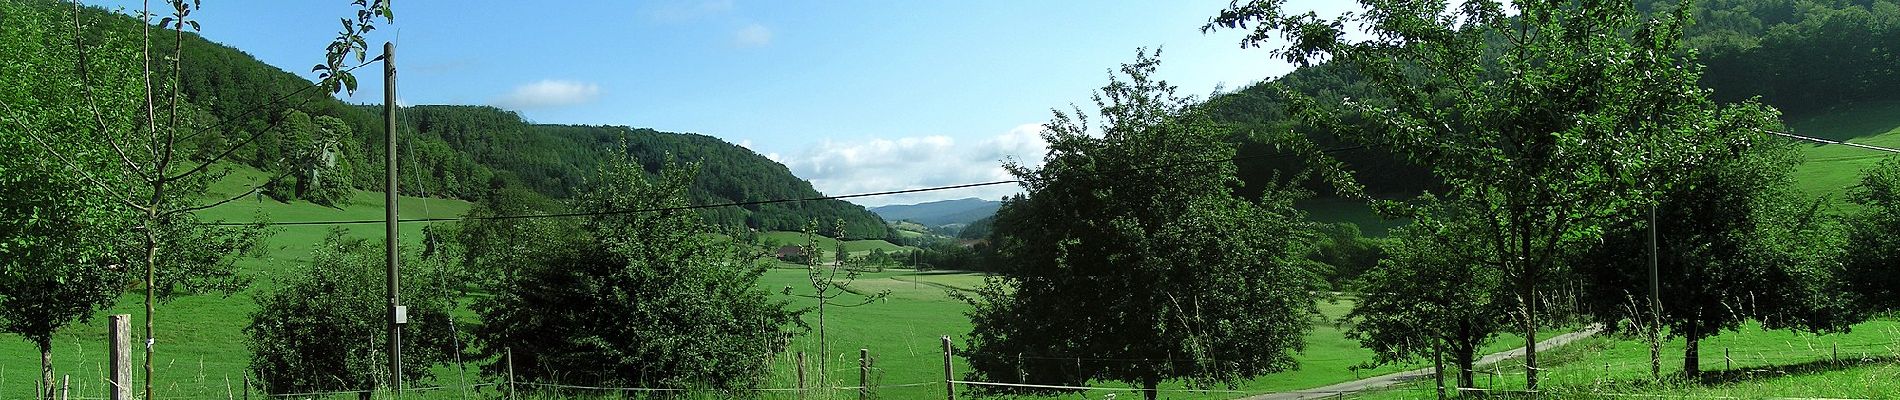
1530, 330
1691, 352
1464, 354
46, 371
1151, 382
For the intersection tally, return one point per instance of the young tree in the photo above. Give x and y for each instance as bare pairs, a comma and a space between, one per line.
1428, 300
137, 151
323, 329
1550, 121
631, 297
1131, 244
830, 281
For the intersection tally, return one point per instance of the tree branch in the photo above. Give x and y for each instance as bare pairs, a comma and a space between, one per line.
85, 79
105, 190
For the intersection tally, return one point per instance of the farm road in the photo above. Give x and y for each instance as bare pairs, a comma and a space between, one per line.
1425, 373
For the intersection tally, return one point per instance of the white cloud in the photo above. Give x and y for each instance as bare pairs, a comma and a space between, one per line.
753, 35
878, 165
548, 94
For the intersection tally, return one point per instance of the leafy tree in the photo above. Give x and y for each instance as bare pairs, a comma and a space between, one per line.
1727, 226
1551, 121
635, 299
1871, 259
1428, 299
58, 241
1130, 244
323, 329
137, 149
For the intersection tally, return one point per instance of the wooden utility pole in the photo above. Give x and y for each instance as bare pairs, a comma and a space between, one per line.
119, 350
391, 258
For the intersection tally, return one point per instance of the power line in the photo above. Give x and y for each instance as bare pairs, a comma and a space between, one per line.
1826, 141
765, 202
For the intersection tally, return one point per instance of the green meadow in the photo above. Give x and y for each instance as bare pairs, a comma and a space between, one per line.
202, 351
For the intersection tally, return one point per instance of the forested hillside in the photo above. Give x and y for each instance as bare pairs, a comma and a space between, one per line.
1804, 57
460, 152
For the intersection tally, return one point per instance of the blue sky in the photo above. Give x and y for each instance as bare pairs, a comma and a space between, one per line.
855, 96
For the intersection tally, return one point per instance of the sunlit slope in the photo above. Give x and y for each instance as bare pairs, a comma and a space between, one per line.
1829, 170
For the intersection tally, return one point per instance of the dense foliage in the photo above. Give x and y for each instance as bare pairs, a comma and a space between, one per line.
1801, 56
1547, 121
1432, 298
324, 328
633, 299
1108, 259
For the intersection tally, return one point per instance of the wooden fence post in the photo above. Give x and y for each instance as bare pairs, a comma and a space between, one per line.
801, 375
864, 374
1727, 363
510, 353
949, 387
119, 343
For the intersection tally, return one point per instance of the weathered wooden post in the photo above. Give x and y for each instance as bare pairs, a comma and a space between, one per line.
949, 375
1727, 363
864, 374
119, 343
801, 375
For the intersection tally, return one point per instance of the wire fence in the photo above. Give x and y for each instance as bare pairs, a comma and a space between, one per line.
1601, 368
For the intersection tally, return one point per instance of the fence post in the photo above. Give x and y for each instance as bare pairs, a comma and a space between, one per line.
510, 353
119, 341
949, 387
801, 375
1727, 363
1837, 353
864, 373
65, 384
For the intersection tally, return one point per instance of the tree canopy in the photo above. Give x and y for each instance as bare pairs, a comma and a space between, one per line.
1130, 244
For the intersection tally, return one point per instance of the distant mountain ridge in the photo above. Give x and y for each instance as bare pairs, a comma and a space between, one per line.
939, 213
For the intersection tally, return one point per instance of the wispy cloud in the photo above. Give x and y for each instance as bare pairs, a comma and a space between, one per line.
753, 35
913, 162
549, 94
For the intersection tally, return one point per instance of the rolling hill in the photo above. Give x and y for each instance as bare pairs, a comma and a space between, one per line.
460, 151
938, 213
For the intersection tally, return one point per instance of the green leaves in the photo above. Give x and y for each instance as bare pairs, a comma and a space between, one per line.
642, 298
1130, 228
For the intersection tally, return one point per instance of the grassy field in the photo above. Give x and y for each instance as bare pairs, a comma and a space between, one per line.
202, 350
200, 338
1748, 363
1830, 169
